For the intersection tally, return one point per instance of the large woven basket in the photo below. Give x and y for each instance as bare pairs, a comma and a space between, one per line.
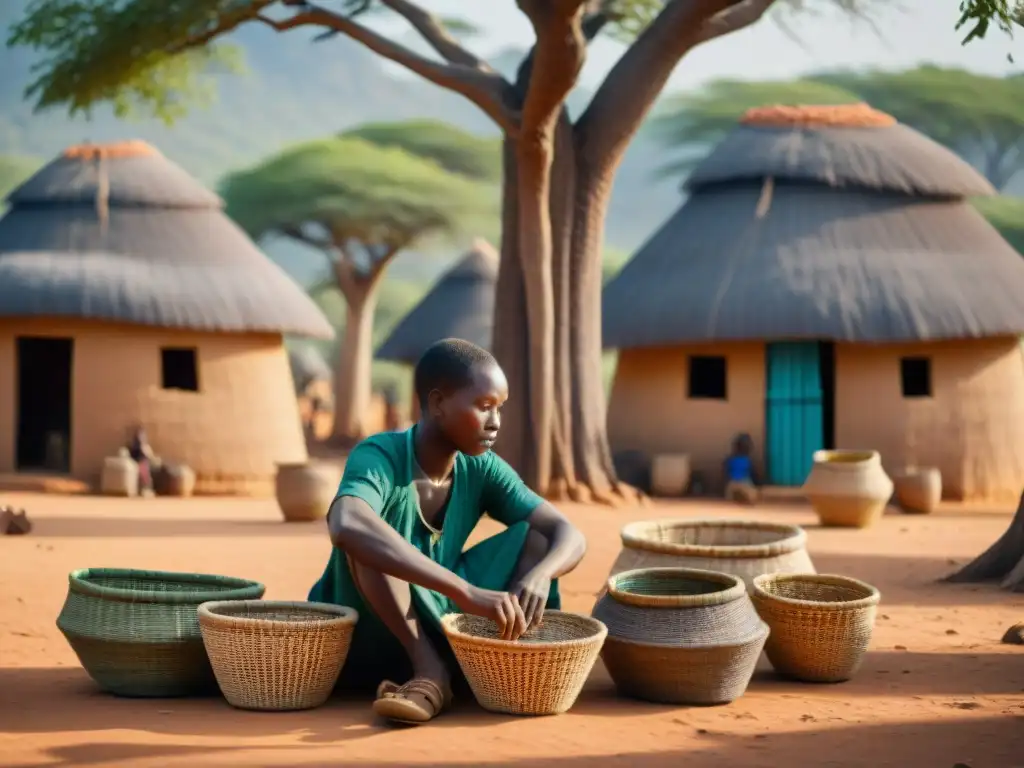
272, 655
744, 548
541, 673
821, 625
680, 635
137, 633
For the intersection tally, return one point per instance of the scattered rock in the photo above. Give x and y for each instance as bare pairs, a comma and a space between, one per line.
965, 705
1015, 634
14, 523
961, 765
884, 617
702, 731
900, 647
952, 632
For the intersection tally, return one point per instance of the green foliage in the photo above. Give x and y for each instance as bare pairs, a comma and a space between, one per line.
1006, 214
150, 54
134, 54
455, 150
354, 190
692, 121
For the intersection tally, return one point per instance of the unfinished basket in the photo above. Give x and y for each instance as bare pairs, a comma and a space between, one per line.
820, 624
541, 673
744, 548
680, 635
273, 655
136, 632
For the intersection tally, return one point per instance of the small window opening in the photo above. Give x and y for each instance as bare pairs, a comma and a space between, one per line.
916, 376
707, 378
179, 369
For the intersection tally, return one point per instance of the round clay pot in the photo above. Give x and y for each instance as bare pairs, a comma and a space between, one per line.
848, 489
670, 474
918, 490
120, 476
680, 635
305, 491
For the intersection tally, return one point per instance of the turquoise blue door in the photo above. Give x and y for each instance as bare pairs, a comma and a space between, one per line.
793, 417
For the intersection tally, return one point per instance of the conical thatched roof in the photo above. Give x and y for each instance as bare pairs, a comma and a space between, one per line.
118, 232
460, 305
825, 231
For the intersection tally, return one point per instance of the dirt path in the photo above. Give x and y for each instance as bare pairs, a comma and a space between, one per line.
937, 688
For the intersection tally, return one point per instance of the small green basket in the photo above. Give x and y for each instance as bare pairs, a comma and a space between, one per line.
137, 632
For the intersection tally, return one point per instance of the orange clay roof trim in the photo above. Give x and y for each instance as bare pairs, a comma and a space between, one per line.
817, 116
116, 149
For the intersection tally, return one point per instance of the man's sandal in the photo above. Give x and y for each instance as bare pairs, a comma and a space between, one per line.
417, 701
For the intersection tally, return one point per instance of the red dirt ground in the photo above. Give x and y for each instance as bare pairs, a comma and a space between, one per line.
937, 688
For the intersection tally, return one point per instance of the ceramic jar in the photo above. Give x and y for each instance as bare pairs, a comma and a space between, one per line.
670, 474
918, 490
744, 548
120, 476
680, 635
848, 488
305, 491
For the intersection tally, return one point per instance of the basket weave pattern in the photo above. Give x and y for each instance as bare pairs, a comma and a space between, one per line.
744, 548
680, 636
542, 673
821, 625
271, 655
136, 632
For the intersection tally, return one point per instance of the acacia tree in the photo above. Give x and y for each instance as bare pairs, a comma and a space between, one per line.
359, 204
980, 117
557, 175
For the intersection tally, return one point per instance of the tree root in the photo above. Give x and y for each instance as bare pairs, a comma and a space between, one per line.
622, 495
1004, 560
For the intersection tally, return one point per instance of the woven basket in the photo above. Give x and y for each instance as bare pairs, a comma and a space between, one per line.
272, 655
820, 625
680, 635
744, 548
136, 632
541, 673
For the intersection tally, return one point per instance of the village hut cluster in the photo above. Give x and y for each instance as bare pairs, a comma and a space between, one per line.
826, 284
128, 298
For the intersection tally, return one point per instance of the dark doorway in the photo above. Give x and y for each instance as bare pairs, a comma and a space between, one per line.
44, 403
827, 368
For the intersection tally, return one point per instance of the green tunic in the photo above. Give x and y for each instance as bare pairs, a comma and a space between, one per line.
381, 471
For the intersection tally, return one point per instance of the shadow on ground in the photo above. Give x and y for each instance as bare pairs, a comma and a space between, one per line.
980, 742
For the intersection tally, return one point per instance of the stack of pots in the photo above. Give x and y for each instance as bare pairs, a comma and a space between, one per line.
680, 635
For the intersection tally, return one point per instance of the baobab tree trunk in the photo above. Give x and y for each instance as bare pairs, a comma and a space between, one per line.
353, 374
1004, 560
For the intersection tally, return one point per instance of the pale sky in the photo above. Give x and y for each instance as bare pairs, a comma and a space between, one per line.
910, 32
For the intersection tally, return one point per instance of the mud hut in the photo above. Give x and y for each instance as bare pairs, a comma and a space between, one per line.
127, 297
825, 285
460, 305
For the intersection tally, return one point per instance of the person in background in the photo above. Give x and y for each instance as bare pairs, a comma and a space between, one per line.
741, 484
142, 453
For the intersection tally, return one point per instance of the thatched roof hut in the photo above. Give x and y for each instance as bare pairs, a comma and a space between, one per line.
308, 366
113, 257
826, 263
460, 305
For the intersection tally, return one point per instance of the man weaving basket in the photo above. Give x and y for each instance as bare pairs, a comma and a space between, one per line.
407, 503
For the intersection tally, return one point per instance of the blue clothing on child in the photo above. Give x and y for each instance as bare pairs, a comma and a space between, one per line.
739, 469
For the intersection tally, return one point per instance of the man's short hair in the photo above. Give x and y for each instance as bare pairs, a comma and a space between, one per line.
447, 365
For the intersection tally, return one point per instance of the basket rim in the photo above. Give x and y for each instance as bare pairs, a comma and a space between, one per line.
793, 538
237, 588
762, 632
733, 588
597, 636
334, 615
871, 598
866, 455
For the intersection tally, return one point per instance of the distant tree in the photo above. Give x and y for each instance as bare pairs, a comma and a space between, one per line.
14, 169
558, 173
980, 117
359, 204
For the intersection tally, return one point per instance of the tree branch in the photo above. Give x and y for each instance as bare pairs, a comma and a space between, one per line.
432, 30
629, 91
485, 89
734, 19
